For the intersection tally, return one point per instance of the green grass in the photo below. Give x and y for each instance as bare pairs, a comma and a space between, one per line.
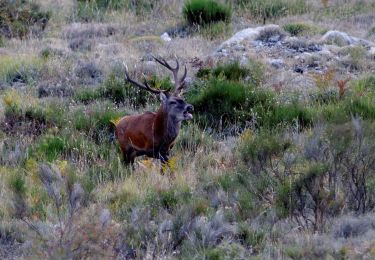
23, 69
297, 29
201, 12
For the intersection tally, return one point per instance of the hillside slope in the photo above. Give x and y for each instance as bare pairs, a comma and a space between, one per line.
278, 162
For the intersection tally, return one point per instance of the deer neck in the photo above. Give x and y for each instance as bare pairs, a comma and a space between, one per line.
167, 127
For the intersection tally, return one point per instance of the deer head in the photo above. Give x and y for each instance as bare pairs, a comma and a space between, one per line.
172, 103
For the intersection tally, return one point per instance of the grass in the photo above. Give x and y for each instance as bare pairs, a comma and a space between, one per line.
23, 69
269, 10
256, 174
203, 12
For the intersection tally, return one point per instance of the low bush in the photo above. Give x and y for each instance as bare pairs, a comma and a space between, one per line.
87, 95
50, 147
252, 73
218, 30
220, 101
296, 29
231, 71
202, 12
288, 115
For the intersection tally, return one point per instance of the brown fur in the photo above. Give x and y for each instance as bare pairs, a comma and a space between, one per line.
146, 134
153, 134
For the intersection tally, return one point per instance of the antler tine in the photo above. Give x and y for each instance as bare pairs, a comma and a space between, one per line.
144, 86
181, 83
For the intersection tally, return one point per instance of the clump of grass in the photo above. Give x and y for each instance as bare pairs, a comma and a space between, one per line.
230, 95
288, 115
253, 73
202, 12
231, 71
96, 121
50, 147
87, 95
219, 30
297, 29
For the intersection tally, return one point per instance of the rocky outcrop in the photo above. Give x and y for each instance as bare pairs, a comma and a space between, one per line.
343, 39
295, 60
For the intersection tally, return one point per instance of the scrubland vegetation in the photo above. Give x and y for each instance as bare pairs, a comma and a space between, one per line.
263, 171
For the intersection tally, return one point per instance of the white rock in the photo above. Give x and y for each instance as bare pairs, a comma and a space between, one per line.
165, 37
339, 37
249, 34
343, 38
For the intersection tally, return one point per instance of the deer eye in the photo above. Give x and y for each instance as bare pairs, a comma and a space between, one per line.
172, 103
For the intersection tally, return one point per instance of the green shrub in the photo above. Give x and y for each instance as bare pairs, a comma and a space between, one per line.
296, 29
287, 115
203, 73
17, 183
87, 95
231, 71
219, 30
19, 18
51, 147
253, 72
205, 12
220, 99
97, 122
223, 103
363, 107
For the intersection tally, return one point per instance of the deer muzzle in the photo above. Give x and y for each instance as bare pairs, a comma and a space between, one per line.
189, 108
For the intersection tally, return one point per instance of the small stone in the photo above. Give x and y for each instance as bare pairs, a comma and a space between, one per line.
165, 37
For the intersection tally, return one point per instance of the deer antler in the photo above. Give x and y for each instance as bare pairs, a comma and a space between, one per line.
144, 86
179, 83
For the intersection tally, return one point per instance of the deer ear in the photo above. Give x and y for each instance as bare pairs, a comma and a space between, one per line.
163, 97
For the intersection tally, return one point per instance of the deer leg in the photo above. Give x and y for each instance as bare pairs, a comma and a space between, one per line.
128, 157
164, 158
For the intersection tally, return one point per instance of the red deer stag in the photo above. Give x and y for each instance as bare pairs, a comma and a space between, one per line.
154, 133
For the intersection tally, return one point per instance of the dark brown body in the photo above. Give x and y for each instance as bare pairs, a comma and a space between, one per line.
152, 134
